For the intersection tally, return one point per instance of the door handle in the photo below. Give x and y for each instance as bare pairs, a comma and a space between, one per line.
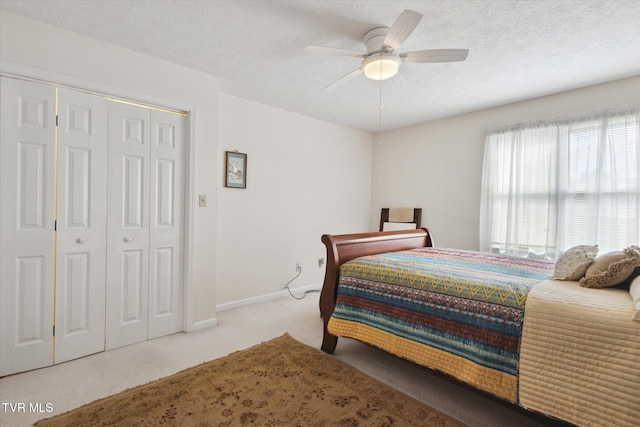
128, 239
81, 240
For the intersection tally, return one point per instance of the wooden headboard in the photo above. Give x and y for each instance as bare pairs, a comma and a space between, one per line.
345, 247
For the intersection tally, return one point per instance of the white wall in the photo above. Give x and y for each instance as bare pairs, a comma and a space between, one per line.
32, 44
305, 177
438, 165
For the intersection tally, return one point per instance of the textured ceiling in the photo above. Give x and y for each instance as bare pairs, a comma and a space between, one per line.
517, 49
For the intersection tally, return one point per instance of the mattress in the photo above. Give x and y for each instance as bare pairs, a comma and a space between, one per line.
580, 355
459, 312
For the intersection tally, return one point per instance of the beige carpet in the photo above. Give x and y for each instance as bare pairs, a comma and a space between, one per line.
281, 382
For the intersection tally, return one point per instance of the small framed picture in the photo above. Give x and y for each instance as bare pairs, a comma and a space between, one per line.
236, 170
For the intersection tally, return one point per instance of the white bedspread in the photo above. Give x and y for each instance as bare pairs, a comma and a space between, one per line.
580, 355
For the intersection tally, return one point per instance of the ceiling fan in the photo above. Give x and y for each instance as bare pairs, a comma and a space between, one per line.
381, 61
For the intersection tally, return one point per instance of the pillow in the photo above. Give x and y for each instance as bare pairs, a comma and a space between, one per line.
634, 291
611, 268
572, 265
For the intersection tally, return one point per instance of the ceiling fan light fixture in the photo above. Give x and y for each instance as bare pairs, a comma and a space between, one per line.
381, 67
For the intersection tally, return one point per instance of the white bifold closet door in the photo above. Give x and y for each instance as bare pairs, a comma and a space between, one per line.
81, 225
91, 224
27, 153
144, 291
51, 277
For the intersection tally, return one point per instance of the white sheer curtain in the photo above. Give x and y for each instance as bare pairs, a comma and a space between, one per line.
548, 186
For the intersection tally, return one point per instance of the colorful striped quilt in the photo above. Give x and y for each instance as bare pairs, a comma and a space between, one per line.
460, 312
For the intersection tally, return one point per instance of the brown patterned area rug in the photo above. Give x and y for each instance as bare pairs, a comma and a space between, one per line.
281, 382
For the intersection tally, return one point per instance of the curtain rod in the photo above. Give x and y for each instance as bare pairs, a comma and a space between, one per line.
554, 121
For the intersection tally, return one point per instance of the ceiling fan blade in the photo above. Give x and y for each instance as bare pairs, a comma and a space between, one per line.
435, 55
402, 28
342, 80
334, 51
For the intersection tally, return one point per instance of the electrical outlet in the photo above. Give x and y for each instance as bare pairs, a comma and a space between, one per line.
202, 200
298, 266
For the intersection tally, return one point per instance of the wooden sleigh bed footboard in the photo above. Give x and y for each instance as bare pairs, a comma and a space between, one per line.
345, 247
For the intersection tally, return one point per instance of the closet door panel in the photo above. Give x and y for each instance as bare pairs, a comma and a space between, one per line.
166, 228
128, 225
81, 235
27, 160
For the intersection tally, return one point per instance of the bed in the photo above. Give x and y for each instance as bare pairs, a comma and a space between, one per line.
497, 323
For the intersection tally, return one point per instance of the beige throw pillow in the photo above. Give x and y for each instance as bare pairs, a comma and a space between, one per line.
572, 265
612, 268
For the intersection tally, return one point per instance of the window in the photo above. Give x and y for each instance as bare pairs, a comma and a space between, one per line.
549, 186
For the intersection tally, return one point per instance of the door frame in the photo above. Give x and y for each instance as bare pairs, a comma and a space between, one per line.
24, 72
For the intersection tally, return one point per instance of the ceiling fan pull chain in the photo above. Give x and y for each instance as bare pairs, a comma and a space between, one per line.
380, 83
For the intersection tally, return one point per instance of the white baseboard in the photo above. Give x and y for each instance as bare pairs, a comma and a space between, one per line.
267, 297
204, 324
